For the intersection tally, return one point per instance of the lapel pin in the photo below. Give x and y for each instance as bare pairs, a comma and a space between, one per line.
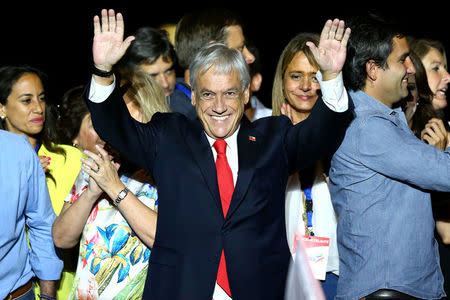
252, 138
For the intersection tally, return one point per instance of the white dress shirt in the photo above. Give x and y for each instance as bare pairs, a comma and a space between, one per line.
231, 152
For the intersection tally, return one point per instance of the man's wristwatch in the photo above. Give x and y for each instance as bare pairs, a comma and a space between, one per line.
123, 193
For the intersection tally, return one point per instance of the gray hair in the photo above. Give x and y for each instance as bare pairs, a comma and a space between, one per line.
224, 60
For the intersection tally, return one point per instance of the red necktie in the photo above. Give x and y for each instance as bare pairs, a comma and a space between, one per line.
226, 188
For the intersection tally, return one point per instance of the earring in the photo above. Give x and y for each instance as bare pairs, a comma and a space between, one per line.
2, 117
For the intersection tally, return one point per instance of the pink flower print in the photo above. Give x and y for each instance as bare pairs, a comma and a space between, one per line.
93, 215
74, 197
87, 287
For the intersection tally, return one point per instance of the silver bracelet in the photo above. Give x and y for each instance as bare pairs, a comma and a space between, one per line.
123, 193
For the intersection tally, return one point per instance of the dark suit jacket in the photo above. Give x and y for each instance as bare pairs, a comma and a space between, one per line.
191, 230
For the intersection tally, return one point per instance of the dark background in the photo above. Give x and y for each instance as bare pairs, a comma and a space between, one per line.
58, 38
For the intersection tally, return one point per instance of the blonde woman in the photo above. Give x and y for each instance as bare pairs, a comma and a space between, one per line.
295, 91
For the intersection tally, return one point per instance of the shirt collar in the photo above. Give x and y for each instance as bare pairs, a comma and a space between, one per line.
231, 140
365, 102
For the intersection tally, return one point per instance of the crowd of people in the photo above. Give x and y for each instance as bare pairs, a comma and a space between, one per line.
150, 183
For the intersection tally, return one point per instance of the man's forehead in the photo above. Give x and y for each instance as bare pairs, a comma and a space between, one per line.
216, 80
400, 46
160, 64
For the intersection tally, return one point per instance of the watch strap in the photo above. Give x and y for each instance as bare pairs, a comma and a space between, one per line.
122, 194
101, 73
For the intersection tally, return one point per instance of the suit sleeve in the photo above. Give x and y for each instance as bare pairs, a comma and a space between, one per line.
317, 137
113, 123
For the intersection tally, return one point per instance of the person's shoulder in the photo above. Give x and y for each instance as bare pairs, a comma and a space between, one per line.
10, 140
17, 152
272, 124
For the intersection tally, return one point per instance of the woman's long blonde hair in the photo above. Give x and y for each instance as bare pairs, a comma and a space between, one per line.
297, 44
148, 94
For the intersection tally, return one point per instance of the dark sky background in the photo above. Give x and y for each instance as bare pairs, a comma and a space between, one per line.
58, 39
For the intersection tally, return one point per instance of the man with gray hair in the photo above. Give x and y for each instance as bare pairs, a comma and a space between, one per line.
221, 179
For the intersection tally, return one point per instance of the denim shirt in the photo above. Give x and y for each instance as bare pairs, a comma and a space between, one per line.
379, 179
25, 202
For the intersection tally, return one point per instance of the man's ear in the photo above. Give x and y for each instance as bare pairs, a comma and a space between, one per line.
193, 98
246, 95
372, 69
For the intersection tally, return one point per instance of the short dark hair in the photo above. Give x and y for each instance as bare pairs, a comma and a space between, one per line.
197, 29
149, 44
371, 39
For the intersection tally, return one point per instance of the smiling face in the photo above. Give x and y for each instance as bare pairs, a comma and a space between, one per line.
438, 77
24, 110
391, 83
300, 84
219, 101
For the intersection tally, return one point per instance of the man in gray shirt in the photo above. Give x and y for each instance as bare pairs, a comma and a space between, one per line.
380, 177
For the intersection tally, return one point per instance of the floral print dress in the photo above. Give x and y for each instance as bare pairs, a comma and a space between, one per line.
112, 262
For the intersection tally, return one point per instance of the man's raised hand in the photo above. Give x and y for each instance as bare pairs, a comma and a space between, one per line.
332, 49
109, 46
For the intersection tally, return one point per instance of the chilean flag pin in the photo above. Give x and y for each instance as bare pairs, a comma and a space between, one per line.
252, 138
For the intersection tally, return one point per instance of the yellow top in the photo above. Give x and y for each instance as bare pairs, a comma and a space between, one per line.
64, 171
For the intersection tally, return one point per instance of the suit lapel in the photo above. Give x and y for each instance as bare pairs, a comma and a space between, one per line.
247, 142
201, 151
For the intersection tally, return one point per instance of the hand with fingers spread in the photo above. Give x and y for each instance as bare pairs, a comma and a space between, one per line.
103, 170
435, 134
109, 46
332, 50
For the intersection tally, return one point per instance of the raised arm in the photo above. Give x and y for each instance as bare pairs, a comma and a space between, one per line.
110, 115
320, 135
332, 50
108, 46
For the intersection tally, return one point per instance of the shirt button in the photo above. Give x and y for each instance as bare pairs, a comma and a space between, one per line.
392, 113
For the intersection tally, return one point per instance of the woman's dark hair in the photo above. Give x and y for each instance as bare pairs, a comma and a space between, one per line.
424, 111
72, 111
48, 137
371, 39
